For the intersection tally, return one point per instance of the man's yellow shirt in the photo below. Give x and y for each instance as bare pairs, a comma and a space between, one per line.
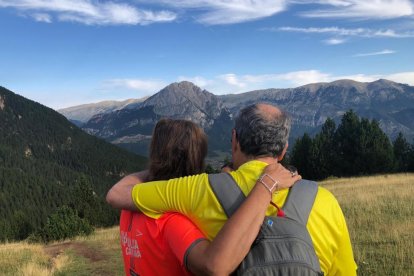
193, 197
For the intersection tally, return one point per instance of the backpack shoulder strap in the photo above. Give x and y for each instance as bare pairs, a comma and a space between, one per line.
300, 199
227, 192
298, 204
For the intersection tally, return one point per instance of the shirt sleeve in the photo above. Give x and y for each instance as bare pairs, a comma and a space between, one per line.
174, 195
181, 235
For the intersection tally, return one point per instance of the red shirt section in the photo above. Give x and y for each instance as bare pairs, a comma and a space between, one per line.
156, 246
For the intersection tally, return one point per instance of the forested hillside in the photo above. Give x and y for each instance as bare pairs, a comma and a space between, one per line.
47, 162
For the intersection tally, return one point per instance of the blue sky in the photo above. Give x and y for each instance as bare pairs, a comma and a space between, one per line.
68, 52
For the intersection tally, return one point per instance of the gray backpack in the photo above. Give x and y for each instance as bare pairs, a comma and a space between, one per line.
283, 245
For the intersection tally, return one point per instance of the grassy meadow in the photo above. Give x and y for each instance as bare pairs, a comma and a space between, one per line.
380, 215
98, 254
379, 212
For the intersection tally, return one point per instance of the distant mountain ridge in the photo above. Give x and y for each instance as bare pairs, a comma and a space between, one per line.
43, 157
392, 104
309, 105
82, 113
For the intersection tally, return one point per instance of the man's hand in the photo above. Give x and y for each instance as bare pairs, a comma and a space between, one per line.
119, 196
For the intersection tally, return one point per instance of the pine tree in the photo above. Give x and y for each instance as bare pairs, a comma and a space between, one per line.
349, 146
83, 198
377, 151
402, 152
300, 156
323, 152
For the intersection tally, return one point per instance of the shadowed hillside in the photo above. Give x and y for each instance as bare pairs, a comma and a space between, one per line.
46, 162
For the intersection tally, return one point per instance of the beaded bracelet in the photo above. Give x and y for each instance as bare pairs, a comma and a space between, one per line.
274, 185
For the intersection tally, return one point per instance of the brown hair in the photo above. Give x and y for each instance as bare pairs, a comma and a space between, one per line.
178, 148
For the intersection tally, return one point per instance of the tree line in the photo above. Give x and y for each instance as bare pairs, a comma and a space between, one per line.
357, 146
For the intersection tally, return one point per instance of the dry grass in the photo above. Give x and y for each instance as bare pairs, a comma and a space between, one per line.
24, 259
99, 254
379, 212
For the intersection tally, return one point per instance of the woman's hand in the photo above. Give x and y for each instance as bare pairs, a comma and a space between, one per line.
228, 167
279, 175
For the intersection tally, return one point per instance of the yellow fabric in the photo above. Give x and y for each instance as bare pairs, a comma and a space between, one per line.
193, 197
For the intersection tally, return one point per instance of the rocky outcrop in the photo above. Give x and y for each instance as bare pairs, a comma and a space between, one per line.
311, 104
2, 104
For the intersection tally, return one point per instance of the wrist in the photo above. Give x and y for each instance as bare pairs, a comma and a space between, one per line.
269, 183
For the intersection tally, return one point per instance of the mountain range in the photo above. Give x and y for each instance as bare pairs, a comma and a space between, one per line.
392, 104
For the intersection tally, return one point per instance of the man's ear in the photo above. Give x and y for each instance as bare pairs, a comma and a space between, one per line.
234, 142
280, 157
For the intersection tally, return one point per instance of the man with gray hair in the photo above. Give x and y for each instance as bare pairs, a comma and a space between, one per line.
259, 138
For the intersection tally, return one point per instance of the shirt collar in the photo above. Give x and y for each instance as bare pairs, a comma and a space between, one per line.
254, 165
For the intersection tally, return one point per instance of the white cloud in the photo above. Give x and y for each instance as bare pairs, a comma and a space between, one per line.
209, 12
364, 9
90, 12
361, 32
145, 87
233, 83
233, 80
304, 77
214, 12
383, 52
295, 78
403, 77
42, 17
357, 77
334, 41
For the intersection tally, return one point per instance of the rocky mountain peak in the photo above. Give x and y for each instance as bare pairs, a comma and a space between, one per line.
183, 86
383, 84
179, 100
185, 89
347, 83
185, 100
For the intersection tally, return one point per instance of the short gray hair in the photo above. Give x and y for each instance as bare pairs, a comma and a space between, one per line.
261, 134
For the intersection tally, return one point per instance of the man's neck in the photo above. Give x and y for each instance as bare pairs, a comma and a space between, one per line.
268, 160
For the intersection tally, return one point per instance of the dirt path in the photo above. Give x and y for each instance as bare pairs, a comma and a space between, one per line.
80, 249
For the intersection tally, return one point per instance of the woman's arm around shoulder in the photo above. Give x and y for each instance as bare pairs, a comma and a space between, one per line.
233, 242
119, 196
